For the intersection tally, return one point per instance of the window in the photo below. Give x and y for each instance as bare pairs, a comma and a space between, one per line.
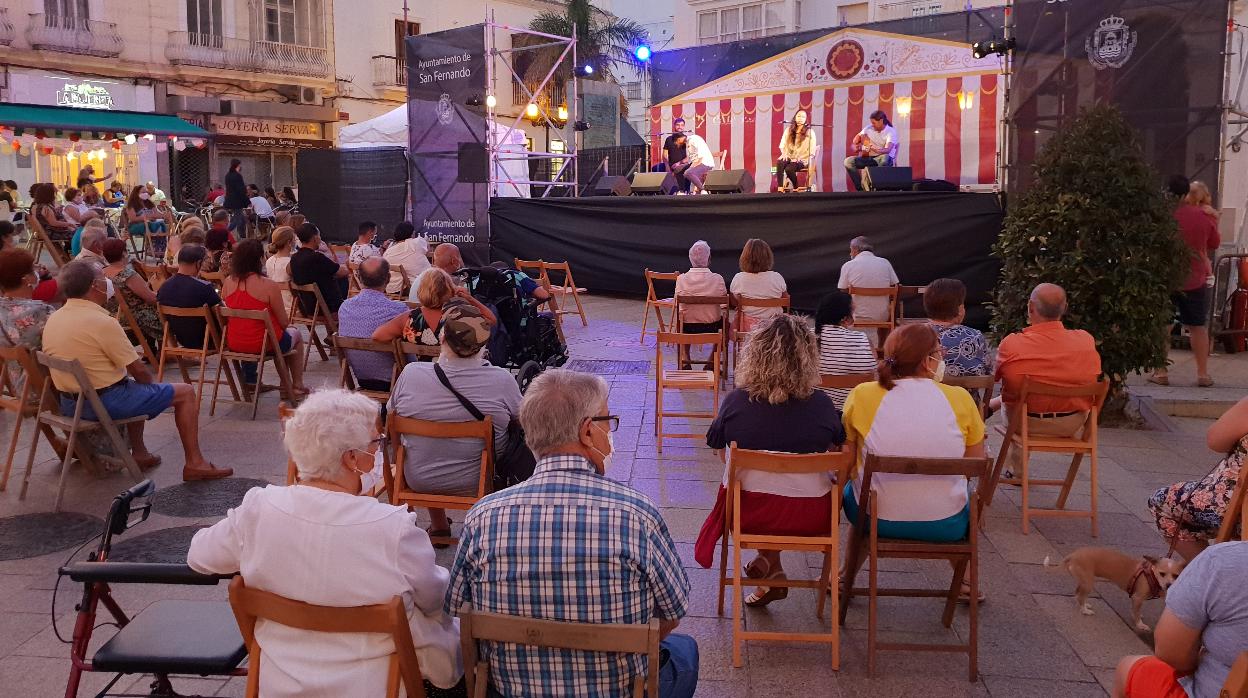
925, 8
632, 90
203, 17
708, 27
774, 16
401, 32
729, 24
296, 22
751, 21
797, 15
279, 21
70, 14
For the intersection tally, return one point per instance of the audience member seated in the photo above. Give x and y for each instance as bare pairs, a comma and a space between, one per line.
363, 247
1190, 513
865, 270
83, 330
186, 290
220, 251
909, 412
757, 280
8, 234
434, 289
21, 316
409, 253
49, 216
115, 195
221, 221
142, 215
76, 210
843, 350
616, 562
280, 539
446, 257
260, 206
308, 266
966, 349
91, 246
776, 408
246, 288
187, 224
701, 281
361, 315
133, 290
453, 466
1203, 630
1047, 352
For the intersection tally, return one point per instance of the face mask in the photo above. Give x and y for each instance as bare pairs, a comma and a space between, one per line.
145, 196
108, 289
609, 456
369, 480
939, 374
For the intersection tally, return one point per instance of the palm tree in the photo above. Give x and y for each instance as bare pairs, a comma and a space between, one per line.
602, 41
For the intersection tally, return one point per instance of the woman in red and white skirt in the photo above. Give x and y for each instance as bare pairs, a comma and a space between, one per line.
775, 408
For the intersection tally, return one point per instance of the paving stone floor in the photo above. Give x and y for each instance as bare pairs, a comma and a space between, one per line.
1033, 642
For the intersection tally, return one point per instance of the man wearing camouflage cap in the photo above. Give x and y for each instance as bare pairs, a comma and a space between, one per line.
453, 466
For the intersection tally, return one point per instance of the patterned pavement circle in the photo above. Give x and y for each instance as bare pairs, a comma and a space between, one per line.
197, 499
32, 535
602, 367
165, 545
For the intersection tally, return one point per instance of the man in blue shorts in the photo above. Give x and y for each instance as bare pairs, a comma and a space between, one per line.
83, 330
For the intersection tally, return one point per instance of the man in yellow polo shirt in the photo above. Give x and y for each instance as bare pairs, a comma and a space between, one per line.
83, 330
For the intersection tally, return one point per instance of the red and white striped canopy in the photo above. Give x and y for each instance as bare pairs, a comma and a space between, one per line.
945, 105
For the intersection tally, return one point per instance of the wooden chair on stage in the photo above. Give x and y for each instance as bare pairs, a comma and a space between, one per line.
741, 461
659, 305
805, 178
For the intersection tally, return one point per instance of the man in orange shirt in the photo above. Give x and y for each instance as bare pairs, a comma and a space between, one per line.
1048, 352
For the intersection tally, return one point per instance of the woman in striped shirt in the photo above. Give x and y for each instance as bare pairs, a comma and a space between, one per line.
842, 349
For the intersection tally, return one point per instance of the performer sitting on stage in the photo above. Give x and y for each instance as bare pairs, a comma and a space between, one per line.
674, 151
797, 147
876, 146
698, 161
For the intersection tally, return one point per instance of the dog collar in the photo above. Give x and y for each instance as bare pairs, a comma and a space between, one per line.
1146, 571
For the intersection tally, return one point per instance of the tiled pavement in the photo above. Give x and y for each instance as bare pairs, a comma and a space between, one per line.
1033, 642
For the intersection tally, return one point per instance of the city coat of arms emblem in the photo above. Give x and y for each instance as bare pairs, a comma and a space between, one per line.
1112, 44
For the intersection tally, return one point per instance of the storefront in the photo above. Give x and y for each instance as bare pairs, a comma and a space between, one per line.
52, 125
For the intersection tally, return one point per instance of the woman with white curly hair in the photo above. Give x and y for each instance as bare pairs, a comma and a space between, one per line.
319, 542
775, 408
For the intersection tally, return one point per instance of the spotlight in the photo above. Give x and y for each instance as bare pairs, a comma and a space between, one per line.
581, 126
491, 101
473, 101
642, 53
585, 70
1000, 47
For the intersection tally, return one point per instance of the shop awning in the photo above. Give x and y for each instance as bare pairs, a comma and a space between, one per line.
112, 121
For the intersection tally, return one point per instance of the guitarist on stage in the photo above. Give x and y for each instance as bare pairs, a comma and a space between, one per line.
876, 146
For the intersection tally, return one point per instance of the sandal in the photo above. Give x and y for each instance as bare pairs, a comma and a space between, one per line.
440, 533
1205, 382
759, 568
964, 596
1159, 380
758, 600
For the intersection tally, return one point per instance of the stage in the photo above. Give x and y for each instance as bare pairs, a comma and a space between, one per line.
611, 240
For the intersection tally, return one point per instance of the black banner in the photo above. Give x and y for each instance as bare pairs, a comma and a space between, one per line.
338, 189
610, 241
1159, 61
446, 71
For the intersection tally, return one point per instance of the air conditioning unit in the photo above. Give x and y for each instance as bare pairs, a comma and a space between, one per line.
311, 95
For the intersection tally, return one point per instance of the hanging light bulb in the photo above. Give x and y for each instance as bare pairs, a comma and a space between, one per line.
149, 137
491, 101
130, 139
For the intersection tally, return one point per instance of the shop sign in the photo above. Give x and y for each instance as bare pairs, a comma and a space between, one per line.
266, 128
84, 95
272, 142
76, 92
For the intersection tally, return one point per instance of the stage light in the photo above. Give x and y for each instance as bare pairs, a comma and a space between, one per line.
642, 53
491, 101
581, 126
966, 100
473, 101
1000, 47
585, 70
531, 111
904, 105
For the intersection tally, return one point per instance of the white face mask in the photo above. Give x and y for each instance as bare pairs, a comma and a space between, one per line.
939, 374
108, 289
608, 457
144, 196
370, 479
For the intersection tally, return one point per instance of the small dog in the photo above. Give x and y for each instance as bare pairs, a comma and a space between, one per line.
1143, 579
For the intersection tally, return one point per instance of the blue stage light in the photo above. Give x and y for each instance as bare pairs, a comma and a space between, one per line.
642, 53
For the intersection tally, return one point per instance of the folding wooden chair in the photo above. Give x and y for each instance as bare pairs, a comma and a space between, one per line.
1018, 435
40, 240
216, 278
844, 381
480, 626
269, 349
528, 267
154, 274
534, 268
720, 303
741, 461
908, 293
565, 289
353, 279
388, 618
423, 352
397, 427
320, 317
170, 349
980, 388
1236, 684
406, 286
658, 304
21, 385
341, 253
742, 323
963, 554
50, 415
126, 317
881, 327
346, 375
1235, 516
680, 379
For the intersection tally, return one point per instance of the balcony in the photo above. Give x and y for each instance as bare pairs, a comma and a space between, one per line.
7, 32
214, 51
85, 37
903, 9
389, 71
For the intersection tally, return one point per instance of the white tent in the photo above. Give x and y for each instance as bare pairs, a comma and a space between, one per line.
390, 130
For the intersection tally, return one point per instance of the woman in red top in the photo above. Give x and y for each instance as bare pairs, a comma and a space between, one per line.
247, 288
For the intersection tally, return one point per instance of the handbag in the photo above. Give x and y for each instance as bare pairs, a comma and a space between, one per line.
516, 463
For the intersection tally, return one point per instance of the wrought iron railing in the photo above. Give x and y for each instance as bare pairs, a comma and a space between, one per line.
7, 32
66, 34
553, 94
389, 71
215, 51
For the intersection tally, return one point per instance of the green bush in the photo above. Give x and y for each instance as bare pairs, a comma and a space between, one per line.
1096, 222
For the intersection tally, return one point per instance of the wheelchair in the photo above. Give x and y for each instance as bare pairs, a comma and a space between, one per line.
526, 341
169, 637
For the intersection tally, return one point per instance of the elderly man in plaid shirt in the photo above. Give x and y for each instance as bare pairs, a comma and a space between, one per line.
570, 545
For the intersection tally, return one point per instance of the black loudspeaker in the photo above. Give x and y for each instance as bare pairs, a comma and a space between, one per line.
888, 179
729, 182
474, 164
612, 185
340, 188
654, 183
934, 185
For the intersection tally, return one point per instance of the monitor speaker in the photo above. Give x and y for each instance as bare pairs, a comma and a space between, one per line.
934, 185
654, 183
612, 185
729, 182
888, 179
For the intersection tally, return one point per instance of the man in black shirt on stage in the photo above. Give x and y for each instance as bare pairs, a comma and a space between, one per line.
674, 153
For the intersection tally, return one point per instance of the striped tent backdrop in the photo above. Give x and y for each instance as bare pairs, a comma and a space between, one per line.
945, 105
